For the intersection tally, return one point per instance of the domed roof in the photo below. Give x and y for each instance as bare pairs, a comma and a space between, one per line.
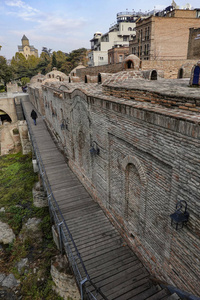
80, 66
36, 77
131, 57
56, 74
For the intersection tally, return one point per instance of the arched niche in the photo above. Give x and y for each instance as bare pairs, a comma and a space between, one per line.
135, 190
99, 78
86, 81
180, 73
129, 64
154, 75
4, 117
196, 74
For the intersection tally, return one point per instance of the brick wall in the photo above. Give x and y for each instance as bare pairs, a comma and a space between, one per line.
170, 68
194, 44
92, 71
184, 103
148, 160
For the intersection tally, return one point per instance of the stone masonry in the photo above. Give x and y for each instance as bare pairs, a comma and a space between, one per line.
148, 135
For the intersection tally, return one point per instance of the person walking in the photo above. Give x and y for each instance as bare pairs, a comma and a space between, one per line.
34, 116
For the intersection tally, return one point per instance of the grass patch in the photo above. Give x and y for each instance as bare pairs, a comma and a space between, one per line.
17, 179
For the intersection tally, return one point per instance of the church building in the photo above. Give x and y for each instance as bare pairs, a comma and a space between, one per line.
26, 49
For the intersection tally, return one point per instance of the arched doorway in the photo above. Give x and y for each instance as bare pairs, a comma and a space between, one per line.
154, 75
196, 75
4, 117
69, 80
86, 79
99, 78
180, 73
129, 64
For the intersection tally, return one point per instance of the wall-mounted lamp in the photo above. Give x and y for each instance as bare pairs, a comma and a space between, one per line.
95, 149
64, 124
180, 217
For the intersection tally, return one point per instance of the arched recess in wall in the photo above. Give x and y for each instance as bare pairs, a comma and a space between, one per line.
4, 117
154, 75
129, 64
196, 75
135, 191
80, 124
99, 78
86, 79
180, 73
69, 80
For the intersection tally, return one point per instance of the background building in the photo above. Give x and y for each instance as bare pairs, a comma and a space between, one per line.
194, 44
119, 34
117, 54
164, 37
26, 49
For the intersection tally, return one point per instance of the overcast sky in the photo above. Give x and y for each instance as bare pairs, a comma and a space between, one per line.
63, 24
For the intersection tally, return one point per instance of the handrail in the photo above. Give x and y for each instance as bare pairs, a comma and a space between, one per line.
58, 222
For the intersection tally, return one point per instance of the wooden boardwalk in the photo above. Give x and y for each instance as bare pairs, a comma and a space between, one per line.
110, 263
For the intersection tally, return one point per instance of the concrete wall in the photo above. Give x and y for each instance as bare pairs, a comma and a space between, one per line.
148, 160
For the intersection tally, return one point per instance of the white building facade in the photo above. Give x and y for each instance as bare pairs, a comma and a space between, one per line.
118, 35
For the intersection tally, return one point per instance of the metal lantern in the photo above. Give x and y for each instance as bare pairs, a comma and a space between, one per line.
180, 217
95, 149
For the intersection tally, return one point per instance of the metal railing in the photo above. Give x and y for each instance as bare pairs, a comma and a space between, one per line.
66, 241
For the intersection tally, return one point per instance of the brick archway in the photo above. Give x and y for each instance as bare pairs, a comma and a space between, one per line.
135, 190
135, 161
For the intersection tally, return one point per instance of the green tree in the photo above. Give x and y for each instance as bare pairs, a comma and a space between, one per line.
20, 66
54, 60
32, 62
6, 73
44, 65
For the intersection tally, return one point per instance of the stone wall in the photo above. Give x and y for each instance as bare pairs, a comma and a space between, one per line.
184, 103
148, 160
92, 71
169, 67
10, 138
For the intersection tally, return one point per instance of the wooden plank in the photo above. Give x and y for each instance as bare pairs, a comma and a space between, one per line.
124, 287
73, 198
160, 295
133, 293
134, 268
145, 294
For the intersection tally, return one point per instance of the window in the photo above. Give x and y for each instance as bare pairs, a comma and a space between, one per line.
125, 38
129, 29
120, 58
147, 49
100, 58
147, 33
